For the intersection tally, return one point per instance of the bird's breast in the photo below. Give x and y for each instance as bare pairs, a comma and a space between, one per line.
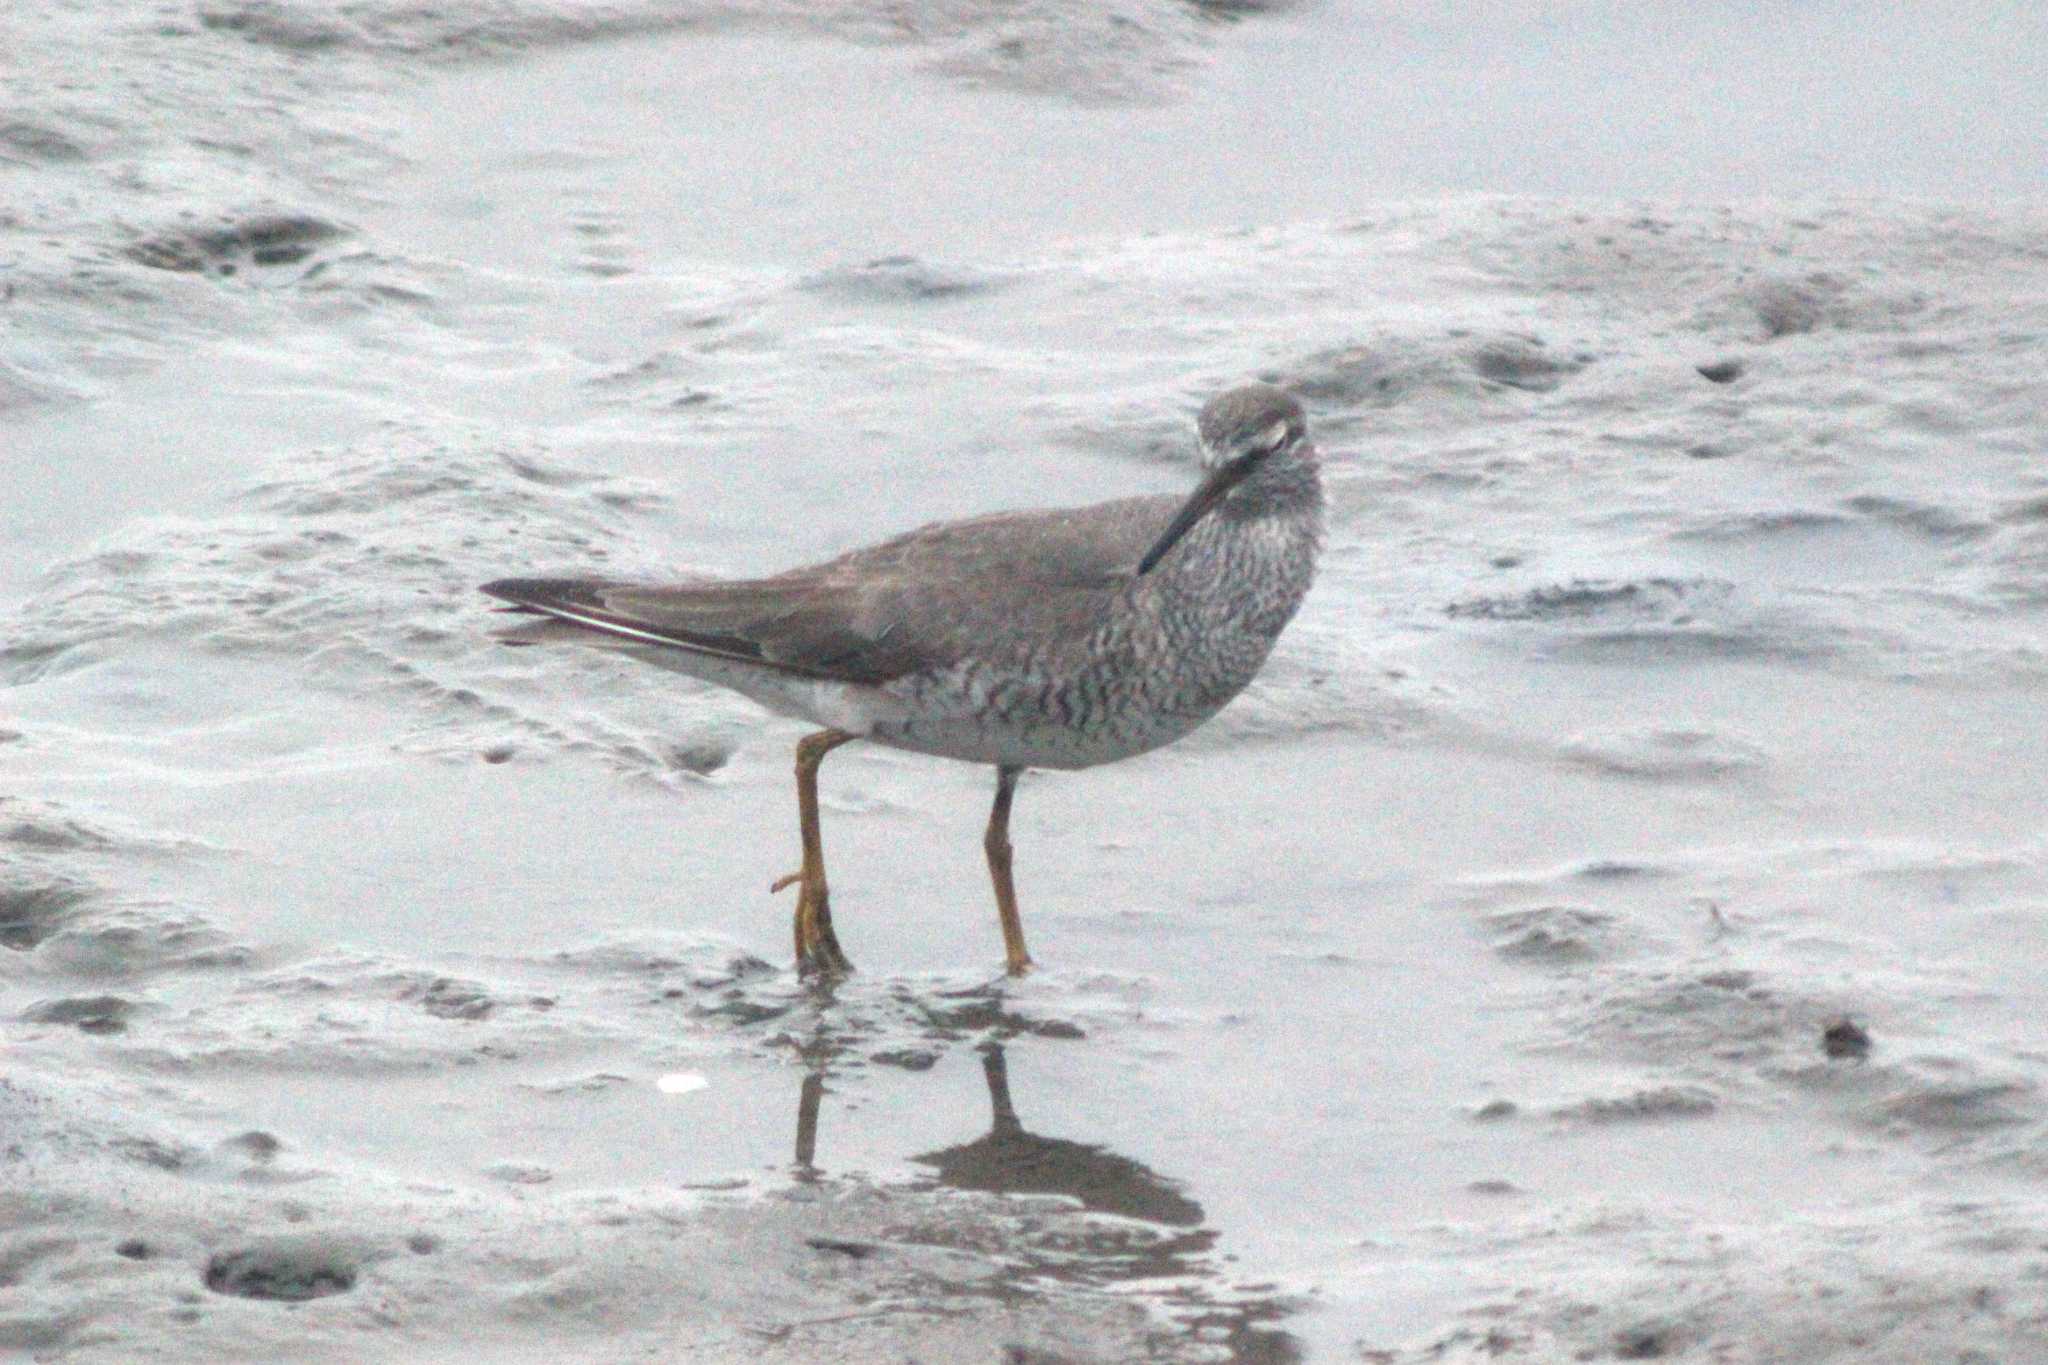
1164, 655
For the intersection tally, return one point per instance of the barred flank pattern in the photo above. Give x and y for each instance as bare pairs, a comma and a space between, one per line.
1168, 651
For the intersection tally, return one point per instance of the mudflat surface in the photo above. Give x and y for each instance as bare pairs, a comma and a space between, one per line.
1610, 928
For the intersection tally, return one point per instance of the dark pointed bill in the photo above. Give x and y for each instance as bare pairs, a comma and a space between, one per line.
1221, 480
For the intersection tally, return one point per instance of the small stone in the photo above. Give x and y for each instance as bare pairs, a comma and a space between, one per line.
1845, 1040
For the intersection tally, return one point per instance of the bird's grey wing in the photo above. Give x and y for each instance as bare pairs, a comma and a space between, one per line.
790, 623
925, 599
1011, 587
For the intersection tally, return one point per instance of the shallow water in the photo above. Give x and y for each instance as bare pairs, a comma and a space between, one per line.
1607, 927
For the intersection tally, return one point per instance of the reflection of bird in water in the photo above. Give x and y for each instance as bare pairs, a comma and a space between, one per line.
1010, 1160
1152, 1232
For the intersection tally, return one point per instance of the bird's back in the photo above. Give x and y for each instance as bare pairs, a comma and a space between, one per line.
1029, 638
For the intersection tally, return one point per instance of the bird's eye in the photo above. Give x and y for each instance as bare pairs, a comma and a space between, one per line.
1271, 439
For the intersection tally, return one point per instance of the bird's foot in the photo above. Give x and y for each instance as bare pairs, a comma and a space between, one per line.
817, 947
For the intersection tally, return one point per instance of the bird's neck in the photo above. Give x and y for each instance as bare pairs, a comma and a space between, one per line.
1286, 486
1270, 523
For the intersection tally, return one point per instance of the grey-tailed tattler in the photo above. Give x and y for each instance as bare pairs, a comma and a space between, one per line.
1047, 638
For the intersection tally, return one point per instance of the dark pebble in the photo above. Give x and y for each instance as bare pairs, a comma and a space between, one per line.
1845, 1040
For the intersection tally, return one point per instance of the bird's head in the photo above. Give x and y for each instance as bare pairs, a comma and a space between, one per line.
1239, 432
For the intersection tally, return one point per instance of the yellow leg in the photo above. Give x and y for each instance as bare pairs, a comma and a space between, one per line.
817, 947
997, 844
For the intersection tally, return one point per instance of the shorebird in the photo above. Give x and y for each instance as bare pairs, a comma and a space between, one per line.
1045, 638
